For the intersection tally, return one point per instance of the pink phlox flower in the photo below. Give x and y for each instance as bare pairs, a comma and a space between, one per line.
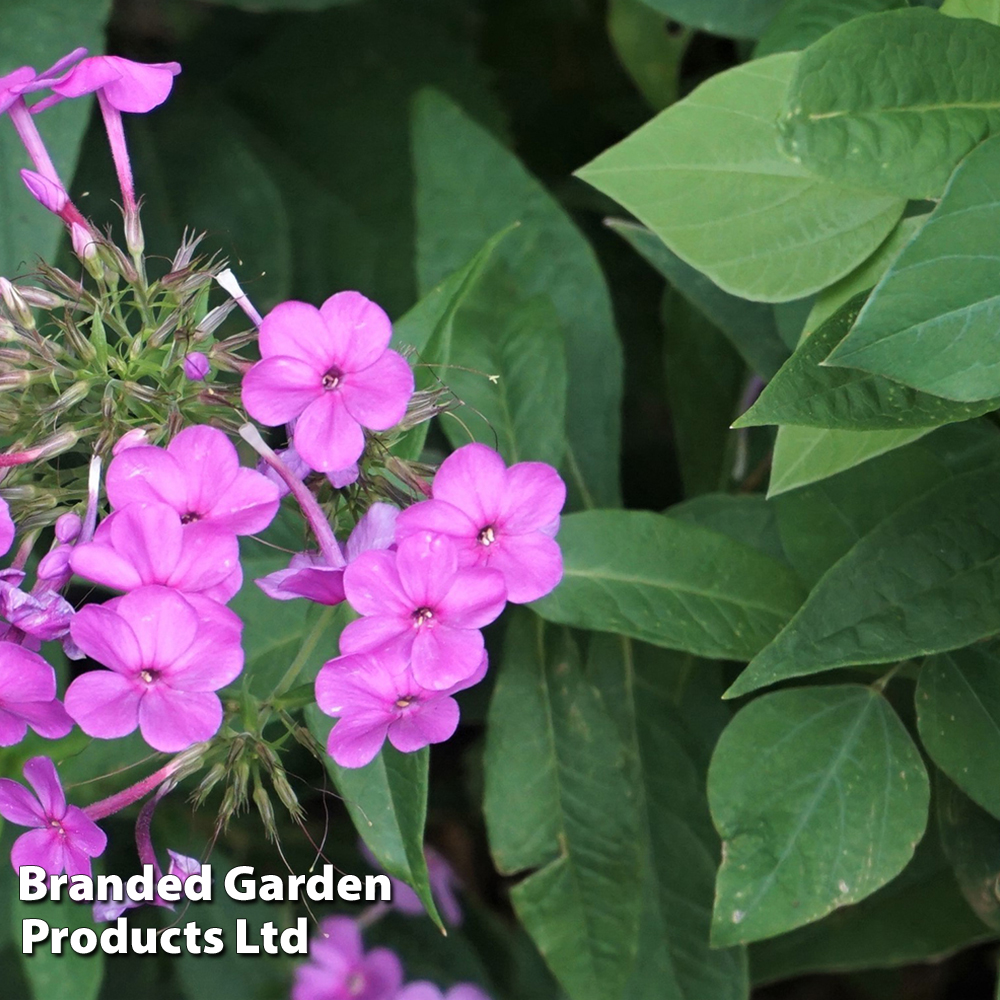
64, 838
6, 528
167, 656
375, 697
199, 475
294, 462
309, 575
147, 543
127, 85
420, 602
339, 968
333, 370
28, 697
24, 80
423, 990
502, 518
43, 614
443, 880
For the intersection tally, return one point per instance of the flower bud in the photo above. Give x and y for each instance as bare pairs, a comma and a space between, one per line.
68, 527
47, 193
134, 238
76, 393
134, 438
196, 366
263, 803
213, 319
16, 306
40, 298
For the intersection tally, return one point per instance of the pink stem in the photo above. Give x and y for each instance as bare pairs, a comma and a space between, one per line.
310, 508
119, 151
118, 801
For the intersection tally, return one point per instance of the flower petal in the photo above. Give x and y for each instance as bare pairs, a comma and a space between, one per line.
13, 727
375, 530
296, 330
103, 704
6, 528
444, 657
354, 743
474, 479
359, 330
172, 720
531, 564
326, 436
86, 835
139, 87
106, 637
377, 395
150, 537
24, 675
434, 721
47, 718
39, 847
145, 475
248, 505
278, 389
18, 805
164, 624
534, 496
209, 463
476, 598
373, 586
426, 565
208, 556
41, 774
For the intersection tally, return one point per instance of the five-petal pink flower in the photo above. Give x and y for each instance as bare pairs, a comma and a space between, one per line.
333, 370
28, 697
63, 838
166, 657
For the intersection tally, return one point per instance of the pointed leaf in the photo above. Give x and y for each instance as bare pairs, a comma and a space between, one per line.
739, 18
799, 23
832, 808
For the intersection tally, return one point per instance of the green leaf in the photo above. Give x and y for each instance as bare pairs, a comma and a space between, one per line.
958, 711
708, 178
38, 32
670, 583
832, 808
920, 916
428, 331
749, 326
807, 393
971, 840
503, 349
865, 276
747, 518
931, 321
67, 976
651, 56
387, 801
668, 728
704, 377
739, 18
469, 187
985, 10
804, 455
799, 23
893, 101
557, 803
923, 581
275, 6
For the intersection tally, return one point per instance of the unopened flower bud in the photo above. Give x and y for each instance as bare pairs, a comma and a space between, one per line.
7, 331
134, 438
196, 366
47, 193
228, 281
17, 379
40, 298
16, 306
76, 393
68, 527
263, 803
49, 448
85, 247
134, 238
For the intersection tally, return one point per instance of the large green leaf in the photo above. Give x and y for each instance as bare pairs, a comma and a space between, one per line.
67, 976
893, 101
985, 10
799, 23
269, 6
920, 916
923, 581
708, 178
740, 18
387, 800
558, 804
810, 394
38, 32
670, 583
931, 321
750, 326
669, 727
468, 187
503, 349
747, 518
804, 455
831, 809
958, 711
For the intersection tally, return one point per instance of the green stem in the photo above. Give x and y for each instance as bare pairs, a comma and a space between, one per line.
305, 651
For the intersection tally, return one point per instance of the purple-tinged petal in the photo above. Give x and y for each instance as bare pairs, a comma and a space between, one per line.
163, 623
172, 720
475, 599
145, 474
104, 704
209, 465
384, 973
426, 565
196, 366
215, 656
354, 743
321, 584
39, 847
207, 557
465, 991
18, 805
377, 396
473, 678
339, 944
6, 528
327, 436
375, 530
12, 86
47, 718
102, 564
85, 834
75, 862
339, 478
224, 591
24, 676
86, 77
359, 330
373, 586
534, 497
13, 727
248, 504
531, 565
278, 389
141, 86
444, 657
433, 721
441, 518
474, 479
41, 774
296, 330
358, 685
151, 537
419, 990
388, 634
106, 637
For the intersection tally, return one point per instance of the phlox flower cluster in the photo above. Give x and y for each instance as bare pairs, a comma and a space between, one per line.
340, 969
